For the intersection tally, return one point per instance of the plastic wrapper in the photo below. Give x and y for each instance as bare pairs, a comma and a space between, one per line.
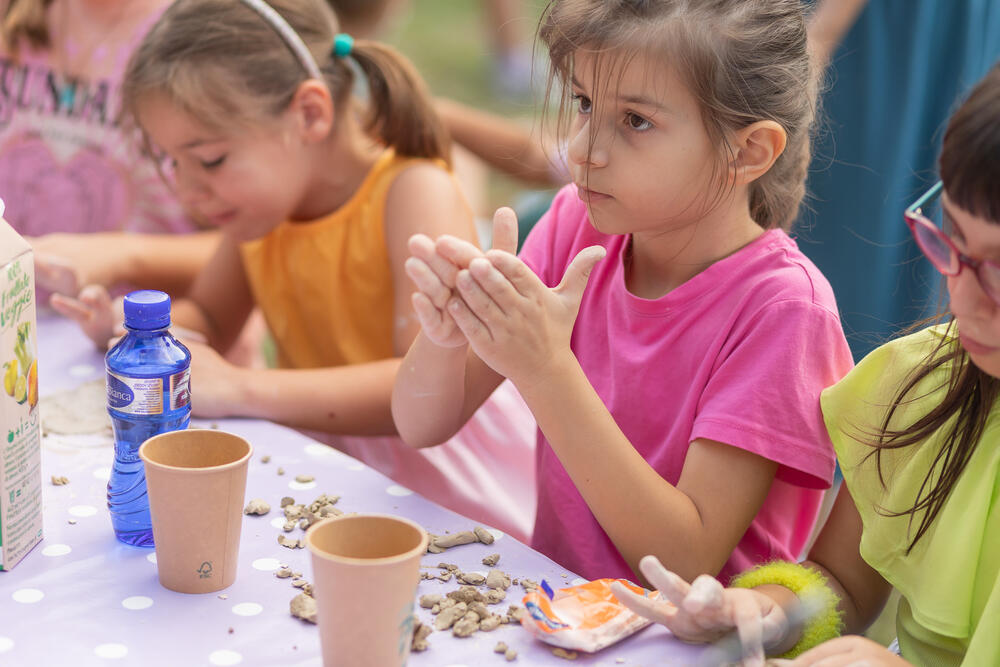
586, 618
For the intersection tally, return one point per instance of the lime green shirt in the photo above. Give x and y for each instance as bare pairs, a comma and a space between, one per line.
950, 582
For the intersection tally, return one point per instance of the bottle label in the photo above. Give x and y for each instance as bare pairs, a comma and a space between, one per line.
145, 396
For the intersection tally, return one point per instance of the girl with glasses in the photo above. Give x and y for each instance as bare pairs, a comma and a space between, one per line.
916, 426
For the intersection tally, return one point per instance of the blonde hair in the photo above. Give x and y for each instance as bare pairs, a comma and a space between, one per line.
743, 60
25, 20
223, 63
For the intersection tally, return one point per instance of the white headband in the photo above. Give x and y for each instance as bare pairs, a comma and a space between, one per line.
288, 34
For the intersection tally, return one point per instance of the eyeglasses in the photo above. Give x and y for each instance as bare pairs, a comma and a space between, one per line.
939, 248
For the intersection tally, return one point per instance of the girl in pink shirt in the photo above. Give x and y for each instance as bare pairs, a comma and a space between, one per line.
676, 393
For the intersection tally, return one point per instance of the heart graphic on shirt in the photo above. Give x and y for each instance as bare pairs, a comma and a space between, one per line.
86, 194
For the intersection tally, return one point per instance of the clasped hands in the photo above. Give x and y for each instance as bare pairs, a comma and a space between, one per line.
493, 301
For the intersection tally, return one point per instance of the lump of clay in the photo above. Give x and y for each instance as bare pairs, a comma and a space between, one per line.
491, 560
257, 506
420, 634
304, 607
497, 579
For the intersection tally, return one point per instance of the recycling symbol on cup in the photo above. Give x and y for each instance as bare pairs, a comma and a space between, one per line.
205, 571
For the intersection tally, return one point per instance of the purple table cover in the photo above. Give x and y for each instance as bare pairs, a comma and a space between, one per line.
82, 598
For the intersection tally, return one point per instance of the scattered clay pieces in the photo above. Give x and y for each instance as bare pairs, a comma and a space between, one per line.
472, 578
257, 506
223, 597
281, 471
303, 606
304, 479
291, 542
564, 654
491, 560
72, 522
287, 500
231, 631
508, 653
528, 585
438, 543
420, 633
515, 613
428, 601
59, 481
265, 459
283, 573
497, 579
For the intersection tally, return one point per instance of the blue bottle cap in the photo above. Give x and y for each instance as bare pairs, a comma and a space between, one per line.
147, 310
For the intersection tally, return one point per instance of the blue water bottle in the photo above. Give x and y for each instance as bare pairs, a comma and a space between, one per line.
148, 393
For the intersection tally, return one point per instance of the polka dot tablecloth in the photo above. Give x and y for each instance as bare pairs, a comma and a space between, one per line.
82, 598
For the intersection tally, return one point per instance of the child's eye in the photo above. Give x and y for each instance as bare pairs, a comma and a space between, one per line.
582, 102
636, 122
213, 163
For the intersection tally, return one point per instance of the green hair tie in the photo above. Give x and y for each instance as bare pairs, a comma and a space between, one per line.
342, 45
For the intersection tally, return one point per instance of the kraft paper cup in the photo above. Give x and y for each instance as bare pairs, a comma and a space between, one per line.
196, 480
365, 574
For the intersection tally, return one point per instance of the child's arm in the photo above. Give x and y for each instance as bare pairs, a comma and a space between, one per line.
770, 618
441, 383
168, 262
522, 329
500, 143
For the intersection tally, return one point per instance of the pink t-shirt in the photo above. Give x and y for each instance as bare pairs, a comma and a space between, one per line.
66, 162
738, 354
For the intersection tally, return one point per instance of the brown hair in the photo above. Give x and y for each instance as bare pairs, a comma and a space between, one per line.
743, 60
25, 19
222, 62
970, 171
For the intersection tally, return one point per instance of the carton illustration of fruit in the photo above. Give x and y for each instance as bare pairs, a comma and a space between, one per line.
10, 376
33, 384
20, 389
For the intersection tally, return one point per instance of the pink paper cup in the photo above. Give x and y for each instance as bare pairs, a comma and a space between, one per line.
196, 481
366, 568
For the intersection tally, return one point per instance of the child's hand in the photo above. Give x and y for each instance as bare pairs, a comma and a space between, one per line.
433, 268
705, 612
215, 383
65, 263
516, 324
94, 311
850, 650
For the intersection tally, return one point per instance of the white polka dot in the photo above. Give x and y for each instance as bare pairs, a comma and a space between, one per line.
324, 451
497, 535
278, 522
397, 490
247, 609
81, 370
56, 550
137, 602
27, 595
578, 581
152, 558
301, 486
102, 473
266, 564
6, 644
83, 510
356, 466
225, 657
113, 651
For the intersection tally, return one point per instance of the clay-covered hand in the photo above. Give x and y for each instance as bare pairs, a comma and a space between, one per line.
704, 612
65, 263
215, 383
433, 266
849, 650
93, 309
513, 321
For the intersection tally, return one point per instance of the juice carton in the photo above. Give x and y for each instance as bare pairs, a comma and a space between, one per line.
20, 443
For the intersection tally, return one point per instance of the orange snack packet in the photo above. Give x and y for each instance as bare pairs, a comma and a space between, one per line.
587, 617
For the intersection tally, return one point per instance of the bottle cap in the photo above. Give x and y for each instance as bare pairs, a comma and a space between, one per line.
147, 310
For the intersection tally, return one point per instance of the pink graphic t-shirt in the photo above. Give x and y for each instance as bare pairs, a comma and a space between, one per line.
738, 354
66, 162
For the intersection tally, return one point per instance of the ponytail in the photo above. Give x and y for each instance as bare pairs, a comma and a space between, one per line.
401, 113
25, 19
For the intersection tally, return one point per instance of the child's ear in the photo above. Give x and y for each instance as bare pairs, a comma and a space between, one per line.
312, 109
756, 147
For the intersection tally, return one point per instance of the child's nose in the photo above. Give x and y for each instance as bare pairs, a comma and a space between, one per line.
190, 189
585, 149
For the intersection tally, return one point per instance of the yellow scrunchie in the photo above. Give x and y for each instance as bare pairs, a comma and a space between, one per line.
812, 589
